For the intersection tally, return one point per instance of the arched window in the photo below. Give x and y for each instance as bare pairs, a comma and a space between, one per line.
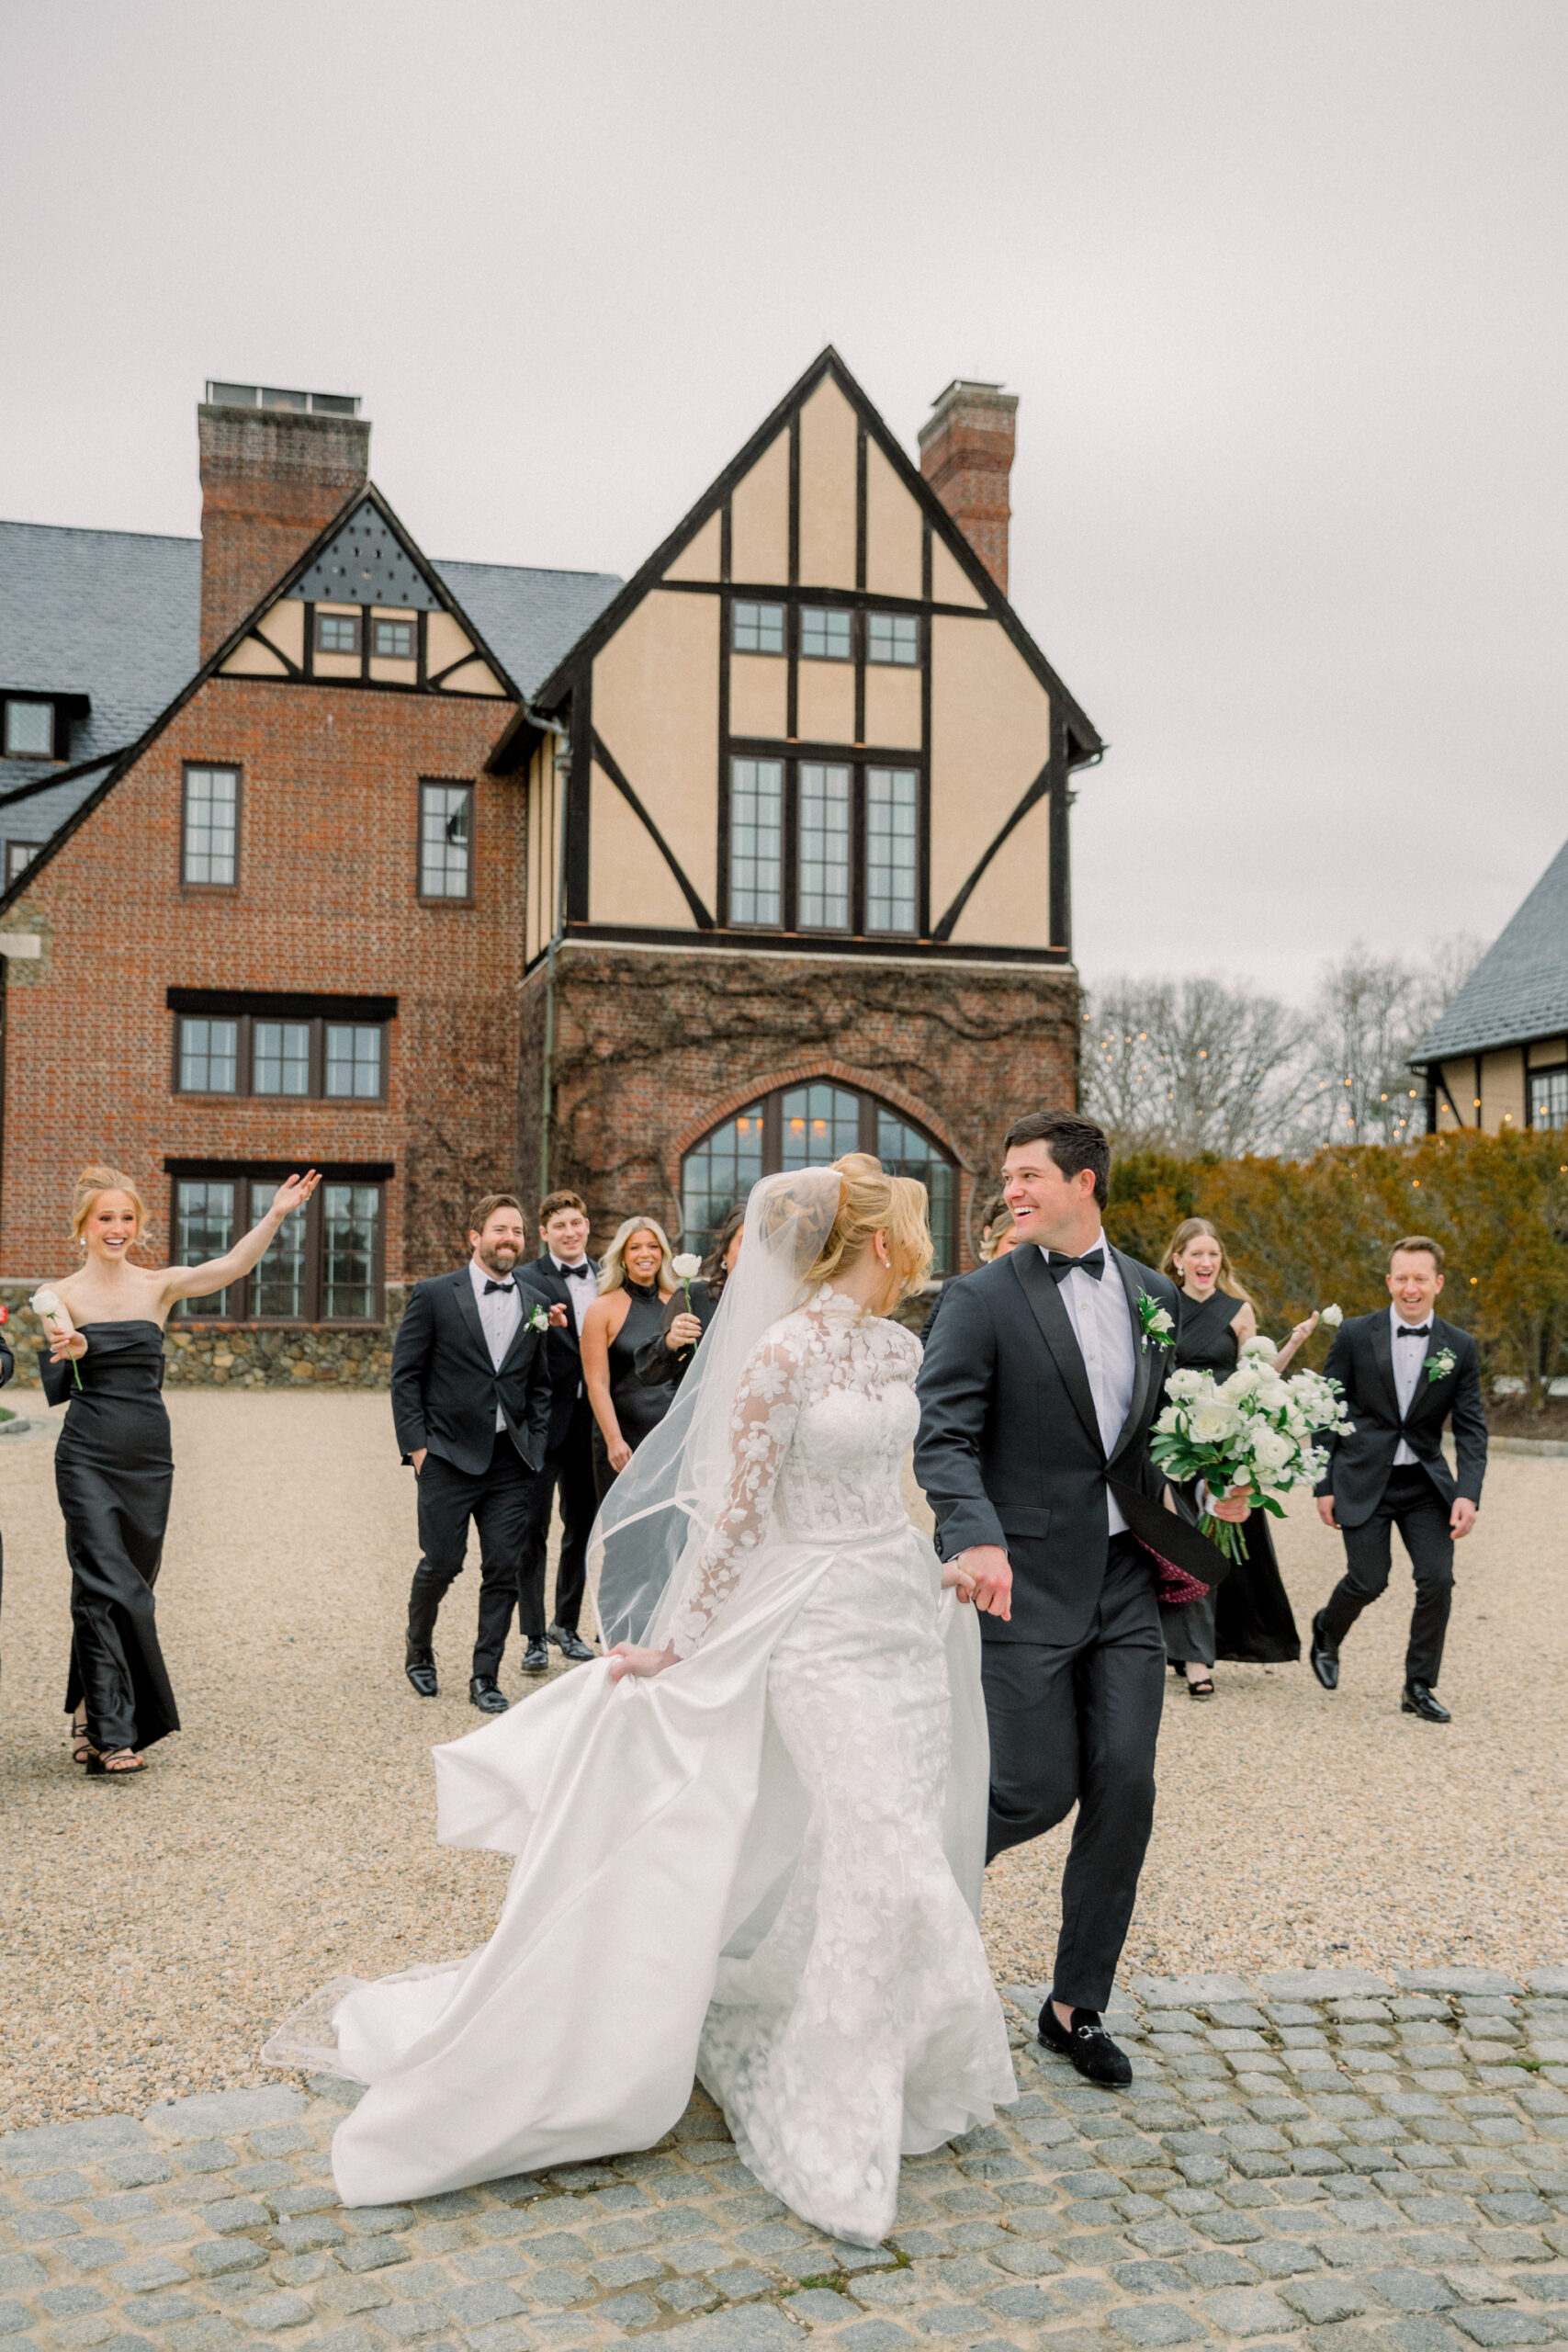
807, 1126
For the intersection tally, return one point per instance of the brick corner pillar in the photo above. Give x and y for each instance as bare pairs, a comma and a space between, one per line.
270, 480
966, 450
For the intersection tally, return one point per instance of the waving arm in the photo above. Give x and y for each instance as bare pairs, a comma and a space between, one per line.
198, 1281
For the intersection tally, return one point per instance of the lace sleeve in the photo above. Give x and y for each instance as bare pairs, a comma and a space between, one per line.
761, 1423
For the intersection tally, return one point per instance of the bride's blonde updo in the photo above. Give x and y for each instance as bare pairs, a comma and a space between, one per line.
95, 1181
870, 1202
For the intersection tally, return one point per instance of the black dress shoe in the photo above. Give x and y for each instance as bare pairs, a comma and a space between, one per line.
571, 1644
486, 1693
1090, 2047
1421, 1699
420, 1668
1325, 1660
537, 1658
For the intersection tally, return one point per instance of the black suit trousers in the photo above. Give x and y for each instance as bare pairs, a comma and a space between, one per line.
498, 1500
1412, 1503
569, 1468
1076, 1723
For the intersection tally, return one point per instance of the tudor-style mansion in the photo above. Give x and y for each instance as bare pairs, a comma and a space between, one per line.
444, 877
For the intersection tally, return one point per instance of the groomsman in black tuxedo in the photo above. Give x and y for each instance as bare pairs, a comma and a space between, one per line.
1405, 1373
1041, 1378
565, 1276
471, 1406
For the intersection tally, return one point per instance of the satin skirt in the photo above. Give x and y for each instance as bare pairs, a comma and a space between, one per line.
114, 1476
762, 1866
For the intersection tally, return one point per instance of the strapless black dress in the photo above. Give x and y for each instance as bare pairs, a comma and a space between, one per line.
639, 1407
114, 1472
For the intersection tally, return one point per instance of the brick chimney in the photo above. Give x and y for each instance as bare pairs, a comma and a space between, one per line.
966, 446
270, 477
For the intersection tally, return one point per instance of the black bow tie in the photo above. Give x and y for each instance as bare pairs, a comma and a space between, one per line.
510, 1288
1093, 1265
579, 1273
1412, 1330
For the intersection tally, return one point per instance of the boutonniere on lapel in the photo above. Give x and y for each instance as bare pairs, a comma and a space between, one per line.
1440, 1366
1154, 1325
540, 1319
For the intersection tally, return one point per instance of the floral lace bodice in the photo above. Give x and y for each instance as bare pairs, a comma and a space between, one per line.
824, 1414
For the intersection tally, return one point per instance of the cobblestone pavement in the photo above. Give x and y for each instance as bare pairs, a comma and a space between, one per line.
1323, 2156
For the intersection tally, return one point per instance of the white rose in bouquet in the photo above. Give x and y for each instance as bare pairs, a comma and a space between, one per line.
1184, 1385
1211, 1423
1259, 1346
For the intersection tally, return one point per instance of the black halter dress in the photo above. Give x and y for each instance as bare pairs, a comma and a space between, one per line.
1247, 1616
114, 1474
639, 1407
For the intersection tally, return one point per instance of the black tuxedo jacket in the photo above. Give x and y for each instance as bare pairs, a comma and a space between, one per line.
446, 1389
564, 1351
1361, 1360
1009, 1450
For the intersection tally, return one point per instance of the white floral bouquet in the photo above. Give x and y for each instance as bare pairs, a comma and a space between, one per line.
1254, 1429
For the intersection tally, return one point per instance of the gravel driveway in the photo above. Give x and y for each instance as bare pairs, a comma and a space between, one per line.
154, 1931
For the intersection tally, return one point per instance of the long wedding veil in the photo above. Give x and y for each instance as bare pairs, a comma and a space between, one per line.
661, 1511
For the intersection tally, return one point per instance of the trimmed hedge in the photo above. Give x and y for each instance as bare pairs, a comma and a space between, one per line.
1302, 1233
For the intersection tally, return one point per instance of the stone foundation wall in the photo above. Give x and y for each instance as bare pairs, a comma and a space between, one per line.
240, 1355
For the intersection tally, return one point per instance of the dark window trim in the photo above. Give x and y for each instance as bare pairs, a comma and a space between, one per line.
244, 1172
857, 758
850, 614
355, 620
446, 784
756, 652
62, 709
888, 612
271, 1006
228, 767
393, 620
246, 1013
32, 847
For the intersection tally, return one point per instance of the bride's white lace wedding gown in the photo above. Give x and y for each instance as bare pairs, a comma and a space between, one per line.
744, 1866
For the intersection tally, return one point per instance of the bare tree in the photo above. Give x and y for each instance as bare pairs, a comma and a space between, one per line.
1368, 1015
1192, 1065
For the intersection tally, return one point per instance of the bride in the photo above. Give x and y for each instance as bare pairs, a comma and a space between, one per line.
749, 1841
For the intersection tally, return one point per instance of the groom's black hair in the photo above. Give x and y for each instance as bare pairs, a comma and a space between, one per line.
1074, 1144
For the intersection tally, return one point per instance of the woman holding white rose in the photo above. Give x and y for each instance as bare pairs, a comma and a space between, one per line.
637, 1280
1247, 1617
113, 1469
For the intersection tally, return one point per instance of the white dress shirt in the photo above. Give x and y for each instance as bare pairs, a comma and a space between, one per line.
1409, 1355
580, 1292
1103, 1328
499, 1313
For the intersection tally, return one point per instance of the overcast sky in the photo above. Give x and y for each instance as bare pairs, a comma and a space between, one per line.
1280, 287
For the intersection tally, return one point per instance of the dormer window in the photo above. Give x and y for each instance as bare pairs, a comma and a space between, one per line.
338, 633
30, 730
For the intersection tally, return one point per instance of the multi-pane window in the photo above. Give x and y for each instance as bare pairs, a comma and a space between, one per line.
446, 842
30, 730
809, 1126
756, 840
353, 1058
211, 847
892, 802
19, 856
282, 1058
324, 1264
893, 637
337, 633
824, 879
209, 1056
293, 1053
1548, 1098
826, 635
758, 628
393, 640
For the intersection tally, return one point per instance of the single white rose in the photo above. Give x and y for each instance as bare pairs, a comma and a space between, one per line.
1211, 1423
1332, 1317
685, 1267
1259, 1345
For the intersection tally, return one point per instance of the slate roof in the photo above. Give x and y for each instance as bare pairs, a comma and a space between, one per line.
1520, 988
117, 616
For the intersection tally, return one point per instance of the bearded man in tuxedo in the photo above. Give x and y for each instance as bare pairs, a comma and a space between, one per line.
471, 1408
567, 1279
1405, 1373
1041, 1380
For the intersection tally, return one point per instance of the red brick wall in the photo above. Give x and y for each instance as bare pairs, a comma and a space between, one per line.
652, 1050
270, 481
325, 904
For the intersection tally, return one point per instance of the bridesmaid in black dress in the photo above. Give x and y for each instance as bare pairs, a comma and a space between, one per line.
636, 1283
1247, 1615
113, 1469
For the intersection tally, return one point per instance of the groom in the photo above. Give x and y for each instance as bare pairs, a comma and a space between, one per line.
1040, 1381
